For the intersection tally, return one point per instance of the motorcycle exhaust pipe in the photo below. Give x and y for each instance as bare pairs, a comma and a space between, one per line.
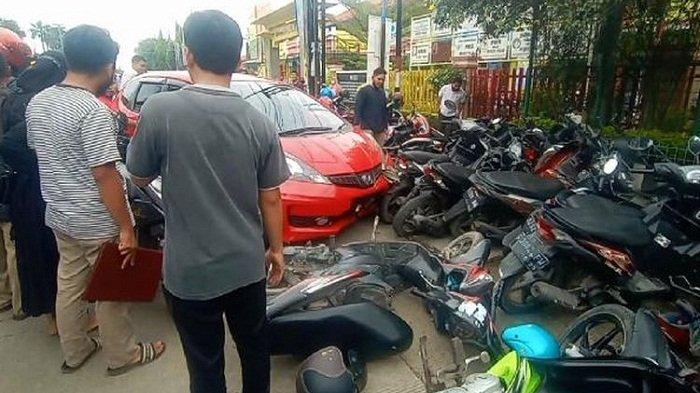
548, 292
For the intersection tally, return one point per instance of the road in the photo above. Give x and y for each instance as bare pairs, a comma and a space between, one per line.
30, 359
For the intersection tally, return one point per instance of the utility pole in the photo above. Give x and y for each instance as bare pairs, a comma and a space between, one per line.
382, 55
531, 58
323, 41
398, 63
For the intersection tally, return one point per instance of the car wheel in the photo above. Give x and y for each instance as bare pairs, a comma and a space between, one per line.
424, 204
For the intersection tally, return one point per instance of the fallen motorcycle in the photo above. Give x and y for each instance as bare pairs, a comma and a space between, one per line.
629, 354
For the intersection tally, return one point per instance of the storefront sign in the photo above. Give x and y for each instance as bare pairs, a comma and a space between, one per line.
520, 44
420, 53
293, 47
420, 28
494, 48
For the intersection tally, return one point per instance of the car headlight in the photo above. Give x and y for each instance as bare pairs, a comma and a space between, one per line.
303, 172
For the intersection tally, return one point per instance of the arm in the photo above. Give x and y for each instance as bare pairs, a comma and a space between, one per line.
143, 158
359, 106
270, 202
111, 186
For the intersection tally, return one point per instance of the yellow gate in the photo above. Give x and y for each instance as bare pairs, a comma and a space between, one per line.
418, 91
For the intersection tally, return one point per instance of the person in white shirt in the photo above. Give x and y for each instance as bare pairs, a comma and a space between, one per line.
452, 99
139, 64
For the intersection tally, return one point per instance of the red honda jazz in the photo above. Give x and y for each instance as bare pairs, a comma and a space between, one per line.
336, 171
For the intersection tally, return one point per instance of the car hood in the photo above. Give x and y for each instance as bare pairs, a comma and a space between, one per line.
335, 153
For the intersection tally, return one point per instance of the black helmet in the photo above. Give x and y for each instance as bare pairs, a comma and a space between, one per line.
325, 371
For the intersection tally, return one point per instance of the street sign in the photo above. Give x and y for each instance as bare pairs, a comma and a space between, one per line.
466, 45
420, 28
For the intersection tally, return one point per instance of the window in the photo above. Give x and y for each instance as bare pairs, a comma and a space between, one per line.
129, 93
288, 108
145, 92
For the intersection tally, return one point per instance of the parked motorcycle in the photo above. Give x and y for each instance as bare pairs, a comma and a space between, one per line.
591, 250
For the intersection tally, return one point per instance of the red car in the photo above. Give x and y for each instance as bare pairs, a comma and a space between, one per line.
336, 171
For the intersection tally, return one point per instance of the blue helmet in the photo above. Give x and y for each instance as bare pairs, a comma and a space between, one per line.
531, 341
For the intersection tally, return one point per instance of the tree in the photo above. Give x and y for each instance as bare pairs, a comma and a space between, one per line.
360, 10
161, 53
50, 35
12, 25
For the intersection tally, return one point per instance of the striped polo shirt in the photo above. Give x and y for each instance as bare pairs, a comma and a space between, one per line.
73, 132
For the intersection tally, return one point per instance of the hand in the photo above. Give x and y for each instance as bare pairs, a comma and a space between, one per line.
127, 246
274, 260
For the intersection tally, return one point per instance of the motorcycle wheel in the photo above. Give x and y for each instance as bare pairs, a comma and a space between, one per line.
424, 204
599, 332
390, 203
462, 244
516, 298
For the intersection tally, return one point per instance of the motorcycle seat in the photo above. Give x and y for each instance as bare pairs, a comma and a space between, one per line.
524, 184
606, 221
592, 201
458, 174
370, 330
423, 157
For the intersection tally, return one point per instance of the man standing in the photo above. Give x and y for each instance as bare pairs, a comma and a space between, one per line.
139, 65
74, 137
452, 99
221, 164
371, 112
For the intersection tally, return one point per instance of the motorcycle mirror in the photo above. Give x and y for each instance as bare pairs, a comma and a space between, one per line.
610, 166
694, 146
485, 357
640, 144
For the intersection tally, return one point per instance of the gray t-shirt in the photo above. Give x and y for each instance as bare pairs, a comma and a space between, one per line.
214, 152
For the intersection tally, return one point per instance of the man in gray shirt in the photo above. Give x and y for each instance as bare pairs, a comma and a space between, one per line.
221, 164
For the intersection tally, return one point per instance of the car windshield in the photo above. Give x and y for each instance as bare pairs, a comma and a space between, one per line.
291, 110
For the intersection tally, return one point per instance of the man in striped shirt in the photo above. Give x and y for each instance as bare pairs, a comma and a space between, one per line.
74, 137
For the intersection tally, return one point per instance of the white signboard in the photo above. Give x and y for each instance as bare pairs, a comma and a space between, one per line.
420, 53
466, 45
495, 48
520, 44
420, 28
439, 31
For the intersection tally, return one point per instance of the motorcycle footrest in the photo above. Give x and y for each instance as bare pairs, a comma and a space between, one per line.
554, 294
639, 284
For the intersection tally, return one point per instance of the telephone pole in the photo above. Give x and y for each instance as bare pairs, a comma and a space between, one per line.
398, 64
382, 54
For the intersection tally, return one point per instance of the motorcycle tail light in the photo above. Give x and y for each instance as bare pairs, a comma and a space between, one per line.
618, 260
546, 230
531, 154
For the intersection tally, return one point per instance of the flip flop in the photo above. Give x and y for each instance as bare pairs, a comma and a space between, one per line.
66, 369
148, 355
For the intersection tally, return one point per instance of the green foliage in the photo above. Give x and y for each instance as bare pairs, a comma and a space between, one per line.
361, 9
50, 35
444, 76
664, 138
161, 53
352, 61
12, 25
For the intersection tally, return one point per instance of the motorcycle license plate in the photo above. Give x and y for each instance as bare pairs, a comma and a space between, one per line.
528, 247
473, 198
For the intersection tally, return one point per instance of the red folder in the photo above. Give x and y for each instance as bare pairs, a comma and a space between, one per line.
137, 283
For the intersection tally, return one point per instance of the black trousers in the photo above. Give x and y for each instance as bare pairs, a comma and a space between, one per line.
201, 328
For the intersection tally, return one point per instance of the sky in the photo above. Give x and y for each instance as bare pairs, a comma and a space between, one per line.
128, 21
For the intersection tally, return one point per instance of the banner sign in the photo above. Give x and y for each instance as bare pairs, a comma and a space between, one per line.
495, 48
420, 28
520, 44
466, 45
420, 53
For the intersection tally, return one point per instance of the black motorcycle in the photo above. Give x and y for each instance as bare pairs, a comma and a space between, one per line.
585, 249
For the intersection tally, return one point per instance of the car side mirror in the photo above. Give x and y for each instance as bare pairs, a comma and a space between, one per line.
694, 146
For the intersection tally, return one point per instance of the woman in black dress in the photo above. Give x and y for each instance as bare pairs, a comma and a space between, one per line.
37, 256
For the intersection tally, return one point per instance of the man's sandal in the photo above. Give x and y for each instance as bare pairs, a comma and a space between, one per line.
66, 369
148, 355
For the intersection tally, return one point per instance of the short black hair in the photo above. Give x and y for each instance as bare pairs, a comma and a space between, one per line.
458, 79
215, 41
4, 67
379, 71
138, 58
88, 49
